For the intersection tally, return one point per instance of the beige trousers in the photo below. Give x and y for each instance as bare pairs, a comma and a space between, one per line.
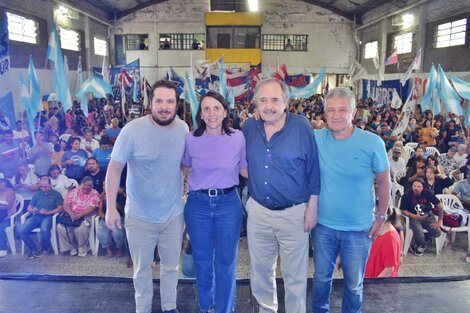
272, 234
143, 237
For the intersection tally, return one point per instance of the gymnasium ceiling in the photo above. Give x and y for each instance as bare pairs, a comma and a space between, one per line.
350, 9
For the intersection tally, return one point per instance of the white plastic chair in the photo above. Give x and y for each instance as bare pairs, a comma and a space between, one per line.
10, 230
411, 145
396, 187
409, 236
92, 239
406, 152
54, 244
460, 176
448, 201
95, 248
432, 151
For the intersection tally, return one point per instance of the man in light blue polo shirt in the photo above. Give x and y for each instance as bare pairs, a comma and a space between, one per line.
350, 159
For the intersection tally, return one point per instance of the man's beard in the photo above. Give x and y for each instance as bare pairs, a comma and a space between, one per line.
163, 122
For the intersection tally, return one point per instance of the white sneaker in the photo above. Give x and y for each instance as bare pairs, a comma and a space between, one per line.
3, 253
73, 252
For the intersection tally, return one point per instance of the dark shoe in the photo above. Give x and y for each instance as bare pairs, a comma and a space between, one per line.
420, 250
119, 253
109, 252
30, 255
39, 253
172, 311
413, 247
130, 263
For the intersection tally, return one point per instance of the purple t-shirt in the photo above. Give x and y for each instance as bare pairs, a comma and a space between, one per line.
215, 160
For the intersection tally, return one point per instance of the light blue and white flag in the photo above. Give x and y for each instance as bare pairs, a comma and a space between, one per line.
449, 96
135, 87
222, 78
27, 105
54, 53
431, 85
309, 90
34, 89
436, 98
96, 85
462, 87
190, 96
84, 99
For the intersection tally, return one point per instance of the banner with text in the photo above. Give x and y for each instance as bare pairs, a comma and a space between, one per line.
383, 94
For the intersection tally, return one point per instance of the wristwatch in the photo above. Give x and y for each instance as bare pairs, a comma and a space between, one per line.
381, 217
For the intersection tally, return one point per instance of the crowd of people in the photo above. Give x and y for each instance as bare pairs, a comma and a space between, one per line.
309, 166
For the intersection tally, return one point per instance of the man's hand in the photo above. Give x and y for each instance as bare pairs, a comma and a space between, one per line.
113, 220
436, 225
310, 218
419, 217
375, 229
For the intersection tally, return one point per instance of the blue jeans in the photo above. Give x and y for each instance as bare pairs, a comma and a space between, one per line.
32, 222
213, 225
106, 236
3, 236
353, 248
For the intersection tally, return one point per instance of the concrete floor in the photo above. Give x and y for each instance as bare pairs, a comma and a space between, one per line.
449, 263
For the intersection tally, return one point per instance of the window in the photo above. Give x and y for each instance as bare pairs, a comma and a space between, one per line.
285, 42
233, 37
181, 41
370, 50
101, 46
403, 43
22, 29
451, 34
69, 39
137, 42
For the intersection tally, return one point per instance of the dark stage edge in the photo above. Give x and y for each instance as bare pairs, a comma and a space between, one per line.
24, 293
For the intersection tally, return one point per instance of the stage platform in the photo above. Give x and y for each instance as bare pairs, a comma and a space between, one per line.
74, 294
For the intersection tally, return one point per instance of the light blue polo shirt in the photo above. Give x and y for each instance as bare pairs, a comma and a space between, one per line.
347, 171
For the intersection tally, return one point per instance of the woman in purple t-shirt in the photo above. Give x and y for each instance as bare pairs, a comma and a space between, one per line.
214, 157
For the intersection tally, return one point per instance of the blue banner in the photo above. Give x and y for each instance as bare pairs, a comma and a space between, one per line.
300, 80
4, 55
383, 94
6, 105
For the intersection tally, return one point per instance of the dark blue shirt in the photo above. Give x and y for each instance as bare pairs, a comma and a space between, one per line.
284, 170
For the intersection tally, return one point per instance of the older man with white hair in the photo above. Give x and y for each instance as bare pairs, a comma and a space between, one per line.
284, 186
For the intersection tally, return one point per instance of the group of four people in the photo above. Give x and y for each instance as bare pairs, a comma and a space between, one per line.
300, 182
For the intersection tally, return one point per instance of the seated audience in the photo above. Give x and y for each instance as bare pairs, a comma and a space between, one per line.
397, 163
93, 170
59, 182
448, 161
41, 155
105, 236
462, 191
89, 144
433, 161
10, 157
103, 153
81, 202
25, 183
74, 160
417, 204
45, 203
7, 209
58, 153
436, 182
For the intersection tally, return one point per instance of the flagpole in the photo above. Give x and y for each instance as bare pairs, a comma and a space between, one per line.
399, 79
